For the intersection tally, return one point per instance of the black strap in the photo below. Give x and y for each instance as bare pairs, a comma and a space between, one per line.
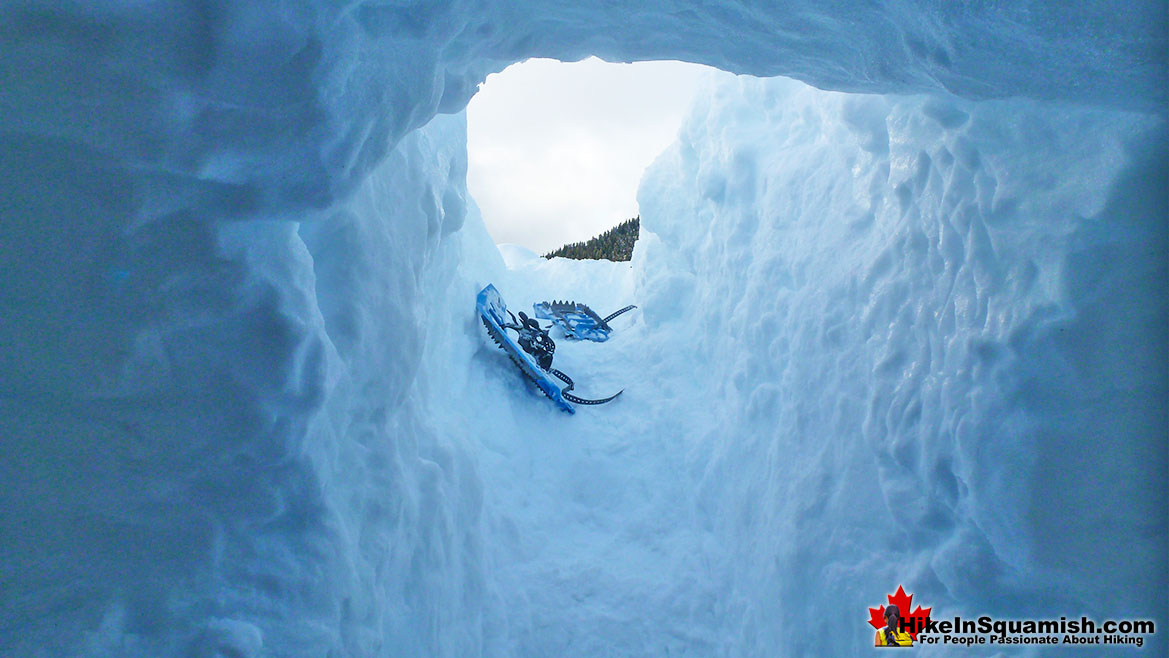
616, 313
564, 378
572, 398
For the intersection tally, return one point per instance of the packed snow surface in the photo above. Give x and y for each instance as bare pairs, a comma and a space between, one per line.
911, 336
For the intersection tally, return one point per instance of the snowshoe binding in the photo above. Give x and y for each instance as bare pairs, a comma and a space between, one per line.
578, 321
531, 350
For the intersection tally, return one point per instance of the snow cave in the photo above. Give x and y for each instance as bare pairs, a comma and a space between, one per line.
903, 303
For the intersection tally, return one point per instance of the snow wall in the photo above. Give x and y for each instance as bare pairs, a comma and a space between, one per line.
927, 331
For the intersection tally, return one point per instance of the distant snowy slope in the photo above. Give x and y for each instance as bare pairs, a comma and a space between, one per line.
515, 255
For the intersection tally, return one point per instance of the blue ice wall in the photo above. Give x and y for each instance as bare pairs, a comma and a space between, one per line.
935, 331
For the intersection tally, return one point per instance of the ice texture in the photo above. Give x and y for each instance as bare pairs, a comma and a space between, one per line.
936, 333
911, 338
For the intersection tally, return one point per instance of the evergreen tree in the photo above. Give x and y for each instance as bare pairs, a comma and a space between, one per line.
616, 244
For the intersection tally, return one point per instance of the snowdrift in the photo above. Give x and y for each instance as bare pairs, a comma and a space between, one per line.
246, 408
937, 333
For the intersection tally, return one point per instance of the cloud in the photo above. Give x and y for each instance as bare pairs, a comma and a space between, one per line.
556, 150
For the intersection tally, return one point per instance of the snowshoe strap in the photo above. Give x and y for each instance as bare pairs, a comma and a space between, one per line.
572, 398
616, 313
564, 378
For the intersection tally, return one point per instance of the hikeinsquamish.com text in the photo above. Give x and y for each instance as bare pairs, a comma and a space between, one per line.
988, 631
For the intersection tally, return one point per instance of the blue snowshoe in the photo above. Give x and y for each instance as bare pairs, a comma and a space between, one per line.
531, 350
578, 321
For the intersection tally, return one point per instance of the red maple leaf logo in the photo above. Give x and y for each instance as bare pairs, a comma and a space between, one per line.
914, 621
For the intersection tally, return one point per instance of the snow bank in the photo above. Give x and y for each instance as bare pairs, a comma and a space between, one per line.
515, 255
935, 332
243, 399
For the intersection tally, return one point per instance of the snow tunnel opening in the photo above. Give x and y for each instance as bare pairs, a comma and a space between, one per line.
556, 150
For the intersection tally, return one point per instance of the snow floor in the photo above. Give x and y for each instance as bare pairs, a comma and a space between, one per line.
596, 544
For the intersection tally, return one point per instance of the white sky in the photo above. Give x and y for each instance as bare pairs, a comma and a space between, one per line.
556, 150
